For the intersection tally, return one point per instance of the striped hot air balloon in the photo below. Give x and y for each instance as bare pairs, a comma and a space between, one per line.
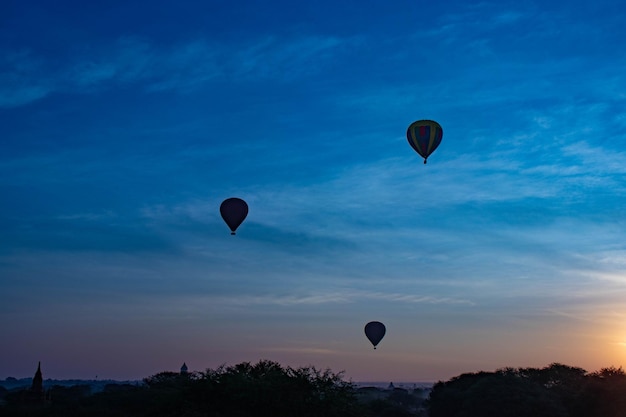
424, 136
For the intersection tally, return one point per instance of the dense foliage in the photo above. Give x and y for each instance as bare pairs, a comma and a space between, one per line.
269, 389
554, 391
262, 389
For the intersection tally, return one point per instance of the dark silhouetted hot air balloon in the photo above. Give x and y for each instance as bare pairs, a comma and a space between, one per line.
375, 331
424, 136
234, 211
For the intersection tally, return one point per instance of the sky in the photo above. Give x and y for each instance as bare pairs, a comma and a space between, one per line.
125, 124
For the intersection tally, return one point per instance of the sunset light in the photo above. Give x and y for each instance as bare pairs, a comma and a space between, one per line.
223, 182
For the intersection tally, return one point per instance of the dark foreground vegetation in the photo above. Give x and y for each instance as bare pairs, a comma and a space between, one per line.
269, 389
263, 389
555, 391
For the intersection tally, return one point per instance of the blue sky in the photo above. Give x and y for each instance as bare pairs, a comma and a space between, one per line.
124, 125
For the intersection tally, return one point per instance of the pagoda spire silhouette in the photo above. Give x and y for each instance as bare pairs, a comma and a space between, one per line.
35, 395
37, 385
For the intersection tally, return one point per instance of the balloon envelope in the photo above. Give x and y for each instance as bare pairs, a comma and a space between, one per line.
234, 211
375, 331
424, 136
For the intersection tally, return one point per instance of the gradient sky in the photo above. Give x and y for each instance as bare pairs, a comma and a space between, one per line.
125, 124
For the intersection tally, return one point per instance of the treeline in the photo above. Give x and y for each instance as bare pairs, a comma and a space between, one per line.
554, 391
269, 389
262, 389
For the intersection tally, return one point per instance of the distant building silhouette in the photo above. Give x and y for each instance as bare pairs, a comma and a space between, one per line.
391, 386
35, 395
183, 369
37, 385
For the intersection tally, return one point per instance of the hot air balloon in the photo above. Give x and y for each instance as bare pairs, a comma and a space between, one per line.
424, 136
234, 211
375, 331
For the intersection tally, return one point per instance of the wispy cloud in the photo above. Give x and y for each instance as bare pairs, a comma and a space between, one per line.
348, 296
476, 19
277, 58
22, 79
303, 350
88, 216
181, 67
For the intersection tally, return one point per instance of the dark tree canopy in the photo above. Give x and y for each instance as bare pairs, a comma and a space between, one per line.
554, 391
269, 389
262, 389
